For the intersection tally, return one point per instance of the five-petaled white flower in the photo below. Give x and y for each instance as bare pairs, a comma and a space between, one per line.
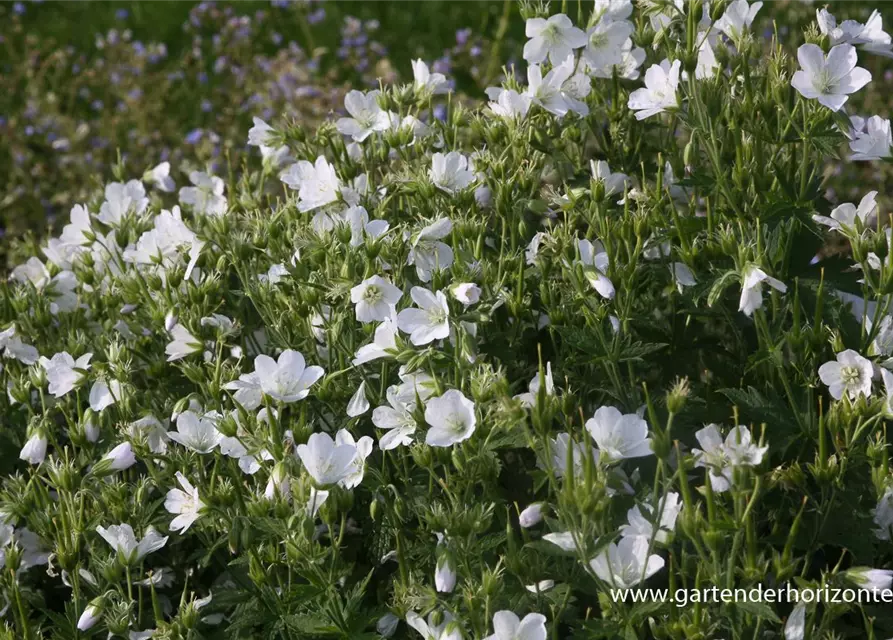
619, 436
872, 140
184, 502
397, 419
738, 17
383, 345
642, 525
428, 322
555, 37
428, 253
198, 433
850, 374
121, 199
160, 176
448, 629
287, 379
206, 197
595, 263
183, 343
64, 372
317, 184
659, 93
130, 551
327, 461
721, 457
829, 80
844, 216
450, 172
625, 564
508, 626
425, 81
604, 45
613, 182
367, 116
375, 298
752, 289
508, 103
451, 418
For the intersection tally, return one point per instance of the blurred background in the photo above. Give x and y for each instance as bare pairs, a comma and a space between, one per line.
86, 85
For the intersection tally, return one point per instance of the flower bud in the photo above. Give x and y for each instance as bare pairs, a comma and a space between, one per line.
532, 515
91, 615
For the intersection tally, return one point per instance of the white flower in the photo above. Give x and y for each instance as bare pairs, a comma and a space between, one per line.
104, 394
198, 433
468, 293
604, 45
358, 404
555, 38
397, 419
317, 184
326, 461
383, 345
14, 348
528, 399
612, 182
446, 630
846, 214
424, 80
363, 448
507, 626
595, 263
361, 227
737, 18
445, 574
89, 617
659, 93
559, 450
641, 525
64, 372
450, 172
720, 457
387, 625
35, 449
121, 199
130, 551
160, 176
367, 116
541, 586
613, 9
451, 418
851, 375
682, 275
752, 289
795, 627
428, 253
374, 298
186, 503
206, 197
619, 436
829, 80
183, 343
625, 564
531, 515
508, 103
883, 515
288, 379
261, 134
874, 142
428, 322
870, 36
871, 579
248, 392
119, 458
549, 92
